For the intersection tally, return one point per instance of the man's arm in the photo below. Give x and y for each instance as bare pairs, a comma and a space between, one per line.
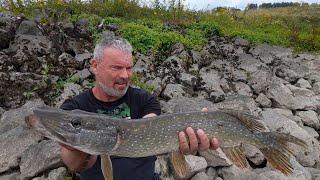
76, 160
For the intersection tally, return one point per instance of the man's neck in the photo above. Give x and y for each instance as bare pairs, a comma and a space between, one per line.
102, 96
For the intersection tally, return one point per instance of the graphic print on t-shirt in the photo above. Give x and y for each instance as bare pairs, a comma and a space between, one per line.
121, 111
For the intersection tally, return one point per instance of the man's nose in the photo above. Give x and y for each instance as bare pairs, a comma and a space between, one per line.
124, 73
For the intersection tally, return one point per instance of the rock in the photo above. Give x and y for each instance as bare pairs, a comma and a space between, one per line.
39, 45
174, 90
58, 174
7, 31
239, 102
284, 98
16, 117
311, 131
241, 42
254, 154
296, 91
211, 80
81, 75
215, 158
195, 164
156, 83
263, 100
20, 137
315, 173
162, 167
316, 88
216, 96
188, 80
186, 104
235, 173
84, 59
1, 111
302, 83
28, 28
212, 172
243, 89
268, 53
201, 176
40, 157
12, 176
70, 90
310, 118
278, 122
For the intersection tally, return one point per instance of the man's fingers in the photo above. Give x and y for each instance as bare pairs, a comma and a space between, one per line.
183, 143
204, 140
214, 143
204, 109
193, 140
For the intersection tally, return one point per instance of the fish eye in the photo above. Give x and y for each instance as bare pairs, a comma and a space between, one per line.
76, 123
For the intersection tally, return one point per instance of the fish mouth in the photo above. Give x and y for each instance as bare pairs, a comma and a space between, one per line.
44, 128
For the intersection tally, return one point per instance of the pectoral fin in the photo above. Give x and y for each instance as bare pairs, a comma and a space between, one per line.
236, 155
179, 164
106, 167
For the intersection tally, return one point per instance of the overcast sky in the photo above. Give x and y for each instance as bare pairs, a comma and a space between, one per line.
241, 4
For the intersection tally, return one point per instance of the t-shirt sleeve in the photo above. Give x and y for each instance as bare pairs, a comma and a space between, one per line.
151, 105
69, 104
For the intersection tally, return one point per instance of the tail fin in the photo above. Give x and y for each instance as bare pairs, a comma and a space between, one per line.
277, 151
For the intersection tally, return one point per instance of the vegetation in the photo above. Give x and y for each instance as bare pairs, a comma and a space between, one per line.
154, 28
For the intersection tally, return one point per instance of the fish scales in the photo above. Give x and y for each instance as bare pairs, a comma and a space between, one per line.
99, 134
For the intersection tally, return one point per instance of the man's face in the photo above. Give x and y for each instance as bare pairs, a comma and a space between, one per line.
114, 72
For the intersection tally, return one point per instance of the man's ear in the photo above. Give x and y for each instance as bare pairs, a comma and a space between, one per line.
93, 65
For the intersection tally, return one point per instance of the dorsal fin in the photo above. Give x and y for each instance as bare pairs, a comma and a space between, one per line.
250, 121
236, 155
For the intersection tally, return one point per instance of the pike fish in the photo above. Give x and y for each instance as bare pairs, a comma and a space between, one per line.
106, 136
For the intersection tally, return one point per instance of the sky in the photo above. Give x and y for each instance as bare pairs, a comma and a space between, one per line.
241, 4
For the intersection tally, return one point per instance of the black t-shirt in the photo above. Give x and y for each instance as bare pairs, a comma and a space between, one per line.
135, 104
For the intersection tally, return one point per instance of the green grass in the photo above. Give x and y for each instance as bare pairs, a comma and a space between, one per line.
155, 29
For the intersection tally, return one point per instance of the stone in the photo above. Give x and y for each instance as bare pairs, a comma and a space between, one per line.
216, 158
243, 89
70, 90
28, 28
211, 80
12, 176
254, 154
201, 176
241, 42
216, 96
316, 88
263, 100
309, 118
40, 157
81, 75
311, 131
174, 90
302, 83
58, 174
235, 173
195, 164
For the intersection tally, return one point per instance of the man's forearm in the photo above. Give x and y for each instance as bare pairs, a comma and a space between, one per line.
76, 160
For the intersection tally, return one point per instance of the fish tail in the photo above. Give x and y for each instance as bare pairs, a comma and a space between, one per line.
277, 152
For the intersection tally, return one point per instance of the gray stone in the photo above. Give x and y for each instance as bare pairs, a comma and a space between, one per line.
201, 176
195, 164
212, 172
243, 89
211, 80
315, 173
241, 42
188, 80
296, 91
235, 173
20, 137
39, 45
302, 83
311, 131
174, 90
254, 154
13, 176
58, 174
316, 88
83, 57
216, 96
29, 28
278, 122
81, 75
40, 157
285, 98
239, 102
215, 158
263, 100
157, 85
310, 118
16, 117
162, 166
70, 90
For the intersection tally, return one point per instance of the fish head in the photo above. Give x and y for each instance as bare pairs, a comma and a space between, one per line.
88, 132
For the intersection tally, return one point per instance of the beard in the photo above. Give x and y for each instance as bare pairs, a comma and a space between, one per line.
113, 92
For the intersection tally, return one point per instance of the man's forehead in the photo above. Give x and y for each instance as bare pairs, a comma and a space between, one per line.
117, 53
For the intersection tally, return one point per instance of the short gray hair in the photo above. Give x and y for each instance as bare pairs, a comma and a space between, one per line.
110, 41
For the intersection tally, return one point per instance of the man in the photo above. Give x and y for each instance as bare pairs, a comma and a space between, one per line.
112, 66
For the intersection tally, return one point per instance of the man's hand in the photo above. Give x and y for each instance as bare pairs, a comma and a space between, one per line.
198, 141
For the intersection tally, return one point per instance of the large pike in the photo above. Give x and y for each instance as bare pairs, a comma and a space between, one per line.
99, 134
